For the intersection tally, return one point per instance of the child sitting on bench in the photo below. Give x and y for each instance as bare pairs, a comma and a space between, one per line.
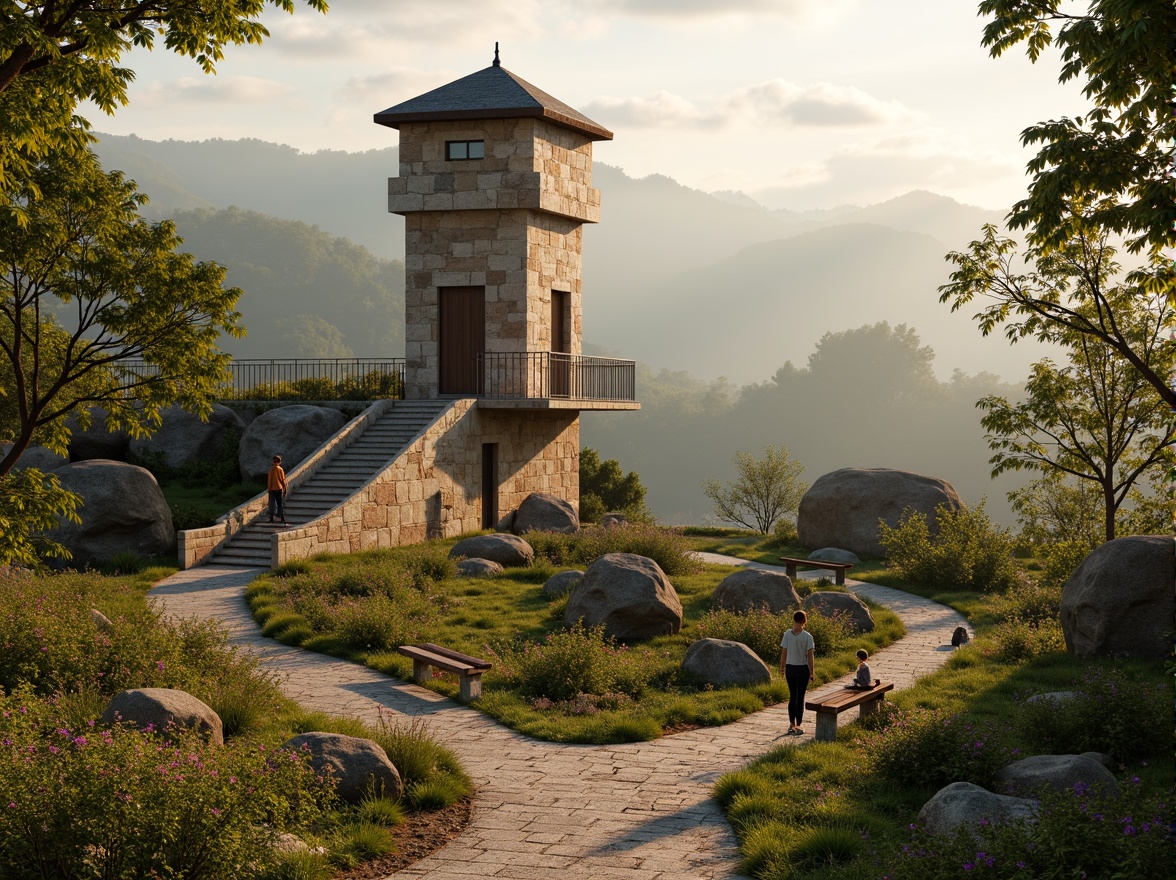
862, 679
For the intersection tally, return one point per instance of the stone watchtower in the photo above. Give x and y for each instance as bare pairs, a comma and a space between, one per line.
495, 184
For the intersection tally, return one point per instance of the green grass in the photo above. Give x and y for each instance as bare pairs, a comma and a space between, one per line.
798, 811
475, 616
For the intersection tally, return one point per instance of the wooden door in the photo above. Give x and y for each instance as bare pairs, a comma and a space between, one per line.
462, 338
560, 342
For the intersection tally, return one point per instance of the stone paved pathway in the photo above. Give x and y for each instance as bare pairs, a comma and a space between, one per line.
640, 811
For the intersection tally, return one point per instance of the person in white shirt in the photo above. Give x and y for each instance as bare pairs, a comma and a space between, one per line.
796, 665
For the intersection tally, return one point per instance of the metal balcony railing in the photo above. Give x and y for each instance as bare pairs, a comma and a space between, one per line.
297, 379
548, 375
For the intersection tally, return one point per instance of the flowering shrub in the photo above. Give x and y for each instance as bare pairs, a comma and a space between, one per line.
1133, 717
761, 630
968, 552
932, 749
119, 803
1074, 834
567, 664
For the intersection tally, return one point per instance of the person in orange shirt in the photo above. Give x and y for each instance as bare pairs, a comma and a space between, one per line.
276, 483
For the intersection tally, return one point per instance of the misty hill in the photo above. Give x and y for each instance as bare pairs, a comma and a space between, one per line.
307, 293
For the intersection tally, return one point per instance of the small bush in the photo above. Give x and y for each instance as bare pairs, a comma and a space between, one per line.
125, 562
567, 664
968, 552
1112, 712
784, 533
761, 630
358, 842
666, 547
931, 749
1074, 834
431, 773
1060, 559
379, 811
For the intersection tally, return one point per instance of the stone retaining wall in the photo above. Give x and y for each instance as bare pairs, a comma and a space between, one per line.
433, 488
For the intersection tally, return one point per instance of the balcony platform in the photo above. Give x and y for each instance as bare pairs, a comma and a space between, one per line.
557, 403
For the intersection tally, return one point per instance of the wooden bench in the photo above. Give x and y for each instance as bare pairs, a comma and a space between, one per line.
469, 669
791, 564
830, 707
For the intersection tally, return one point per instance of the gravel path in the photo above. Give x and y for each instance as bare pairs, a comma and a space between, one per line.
640, 811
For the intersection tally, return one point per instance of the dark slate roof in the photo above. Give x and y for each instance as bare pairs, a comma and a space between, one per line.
493, 93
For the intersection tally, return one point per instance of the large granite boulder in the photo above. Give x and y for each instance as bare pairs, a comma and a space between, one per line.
507, 550
842, 508
159, 707
478, 568
753, 589
293, 432
183, 437
541, 512
1055, 772
124, 509
834, 554
354, 763
723, 663
1120, 601
562, 583
95, 441
850, 607
38, 457
629, 594
963, 803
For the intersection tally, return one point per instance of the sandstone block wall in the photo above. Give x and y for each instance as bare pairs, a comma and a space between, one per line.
433, 489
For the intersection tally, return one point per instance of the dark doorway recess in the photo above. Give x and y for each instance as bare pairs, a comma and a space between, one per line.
463, 338
489, 485
561, 316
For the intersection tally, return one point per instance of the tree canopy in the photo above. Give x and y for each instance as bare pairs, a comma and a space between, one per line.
54, 55
88, 285
1114, 161
766, 490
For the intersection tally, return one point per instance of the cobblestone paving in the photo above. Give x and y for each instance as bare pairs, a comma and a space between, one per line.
640, 811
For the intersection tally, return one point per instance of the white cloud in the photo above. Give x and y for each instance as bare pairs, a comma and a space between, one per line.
817, 11
392, 86
774, 101
226, 90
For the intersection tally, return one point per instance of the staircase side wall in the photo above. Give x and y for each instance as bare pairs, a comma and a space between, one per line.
433, 488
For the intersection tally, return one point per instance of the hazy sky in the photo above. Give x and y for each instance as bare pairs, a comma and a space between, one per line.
800, 103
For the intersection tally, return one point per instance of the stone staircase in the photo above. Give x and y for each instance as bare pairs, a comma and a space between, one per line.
335, 481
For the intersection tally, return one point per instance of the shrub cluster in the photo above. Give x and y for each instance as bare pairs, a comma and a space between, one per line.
51, 644
761, 630
374, 385
569, 663
1112, 712
931, 749
666, 547
1026, 622
374, 605
1074, 834
120, 803
968, 551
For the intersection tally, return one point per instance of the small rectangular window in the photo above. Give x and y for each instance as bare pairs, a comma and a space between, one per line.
457, 150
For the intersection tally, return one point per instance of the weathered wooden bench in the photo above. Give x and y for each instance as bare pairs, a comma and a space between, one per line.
828, 708
791, 564
469, 669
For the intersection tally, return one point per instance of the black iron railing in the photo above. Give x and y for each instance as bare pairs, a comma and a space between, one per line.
297, 379
554, 375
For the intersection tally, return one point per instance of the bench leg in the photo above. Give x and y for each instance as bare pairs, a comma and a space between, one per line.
870, 706
470, 687
839, 578
420, 671
826, 727
790, 570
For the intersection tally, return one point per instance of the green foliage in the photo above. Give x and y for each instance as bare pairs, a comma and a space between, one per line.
373, 385
567, 664
931, 749
766, 490
419, 757
1097, 418
1026, 622
605, 488
31, 502
1075, 833
76, 798
1116, 156
1133, 719
1052, 509
664, 546
361, 841
967, 552
762, 630
125, 562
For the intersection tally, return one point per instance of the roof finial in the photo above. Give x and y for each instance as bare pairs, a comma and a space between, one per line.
497, 63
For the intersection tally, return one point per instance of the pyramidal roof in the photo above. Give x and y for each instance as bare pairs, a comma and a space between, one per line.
492, 93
